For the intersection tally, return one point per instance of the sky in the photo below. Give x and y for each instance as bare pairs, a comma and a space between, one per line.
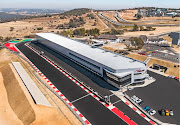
94, 4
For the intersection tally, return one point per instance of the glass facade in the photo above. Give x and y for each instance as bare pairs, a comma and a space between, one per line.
118, 81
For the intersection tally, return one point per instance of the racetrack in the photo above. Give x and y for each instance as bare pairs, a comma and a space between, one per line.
95, 112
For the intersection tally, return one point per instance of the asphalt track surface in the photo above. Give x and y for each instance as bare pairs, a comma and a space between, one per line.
162, 94
88, 106
94, 111
123, 22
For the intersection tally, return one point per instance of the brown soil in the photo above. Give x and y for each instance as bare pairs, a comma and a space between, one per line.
176, 49
159, 30
49, 24
118, 46
111, 16
171, 69
137, 56
16, 97
7, 115
17, 105
169, 39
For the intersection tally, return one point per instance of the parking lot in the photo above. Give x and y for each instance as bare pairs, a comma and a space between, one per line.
161, 52
164, 93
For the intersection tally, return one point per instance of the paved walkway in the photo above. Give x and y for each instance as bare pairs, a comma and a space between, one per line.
36, 94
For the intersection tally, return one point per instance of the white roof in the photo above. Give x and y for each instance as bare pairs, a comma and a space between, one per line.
106, 58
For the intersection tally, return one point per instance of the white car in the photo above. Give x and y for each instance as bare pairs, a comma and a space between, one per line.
138, 101
171, 113
152, 112
133, 98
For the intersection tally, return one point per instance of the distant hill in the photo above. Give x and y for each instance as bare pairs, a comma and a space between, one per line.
76, 12
31, 12
6, 16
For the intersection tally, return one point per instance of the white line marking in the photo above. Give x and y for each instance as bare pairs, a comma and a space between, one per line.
80, 98
116, 102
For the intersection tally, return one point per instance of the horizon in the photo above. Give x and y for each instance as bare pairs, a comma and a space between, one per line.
92, 4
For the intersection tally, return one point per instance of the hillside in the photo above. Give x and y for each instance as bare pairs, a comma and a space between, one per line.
52, 23
5, 16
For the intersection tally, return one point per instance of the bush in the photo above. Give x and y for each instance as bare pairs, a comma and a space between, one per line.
79, 32
76, 12
137, 42
40, 28
11, 28
91, 16
115, 32
135, 27
93, 32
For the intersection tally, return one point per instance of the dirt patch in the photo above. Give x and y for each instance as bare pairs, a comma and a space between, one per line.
159, 30
108, 48
176, 48
16, 97
118, 46
6, 110
137, 56
170, 65
17, 105
167, 38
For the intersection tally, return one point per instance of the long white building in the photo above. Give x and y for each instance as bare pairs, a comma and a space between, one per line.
116, 69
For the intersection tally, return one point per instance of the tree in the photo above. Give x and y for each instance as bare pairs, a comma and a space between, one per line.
67, 33
40, 28
135, 27
79, 32
11, 28
139, 16
137, 42
93, 32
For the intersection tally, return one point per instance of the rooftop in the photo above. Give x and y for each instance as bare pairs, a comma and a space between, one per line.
109, 59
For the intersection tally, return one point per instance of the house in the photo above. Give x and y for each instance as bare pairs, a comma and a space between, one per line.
155, 40
175, 38
171, 14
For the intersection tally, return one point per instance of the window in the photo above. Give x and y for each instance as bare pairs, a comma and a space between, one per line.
97, 67
125, 78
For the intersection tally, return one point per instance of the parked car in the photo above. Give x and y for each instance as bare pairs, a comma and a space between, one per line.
131, 88
167, 112
140, 103
162, 112
171, 113
170, 76
152, 112
138, 100
146, 108
133, 97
